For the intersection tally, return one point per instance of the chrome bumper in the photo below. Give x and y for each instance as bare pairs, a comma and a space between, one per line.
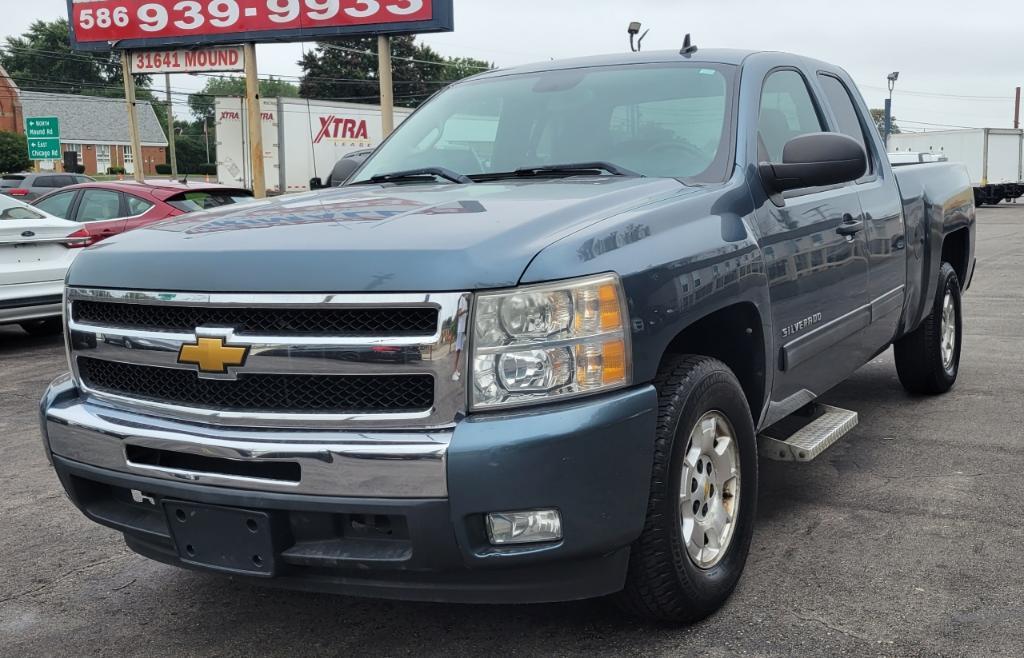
332, 463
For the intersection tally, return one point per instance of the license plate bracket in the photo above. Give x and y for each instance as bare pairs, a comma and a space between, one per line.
226, 539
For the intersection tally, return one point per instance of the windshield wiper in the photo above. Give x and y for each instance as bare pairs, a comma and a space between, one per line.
419, 175
574, 169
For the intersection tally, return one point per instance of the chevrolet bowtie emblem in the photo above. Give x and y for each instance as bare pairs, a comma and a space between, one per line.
212, 355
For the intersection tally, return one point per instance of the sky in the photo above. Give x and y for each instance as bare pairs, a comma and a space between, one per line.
958, 67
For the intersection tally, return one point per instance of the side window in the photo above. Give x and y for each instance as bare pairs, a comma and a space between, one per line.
845, 110
137, 206
99, 205
63, 181
787, 111
58, 205
47, 181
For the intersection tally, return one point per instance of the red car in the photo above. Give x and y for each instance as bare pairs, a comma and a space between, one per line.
108, 209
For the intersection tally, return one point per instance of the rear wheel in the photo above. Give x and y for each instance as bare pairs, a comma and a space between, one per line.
928, 360
700, 515
43, 328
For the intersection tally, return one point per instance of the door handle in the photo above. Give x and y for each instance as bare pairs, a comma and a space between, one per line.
850, 226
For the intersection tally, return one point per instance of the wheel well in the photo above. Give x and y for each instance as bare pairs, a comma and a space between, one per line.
955, 248
732, 335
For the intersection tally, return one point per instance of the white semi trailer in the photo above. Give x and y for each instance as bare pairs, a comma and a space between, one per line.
994, 157
302, 140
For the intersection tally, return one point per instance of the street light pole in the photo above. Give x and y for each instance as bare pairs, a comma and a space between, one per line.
893, 77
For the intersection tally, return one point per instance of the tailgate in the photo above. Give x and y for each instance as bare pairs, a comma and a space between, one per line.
33, 252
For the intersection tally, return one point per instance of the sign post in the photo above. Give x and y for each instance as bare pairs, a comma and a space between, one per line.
133, 116
171, 133
387, 88
43, 134
255, 115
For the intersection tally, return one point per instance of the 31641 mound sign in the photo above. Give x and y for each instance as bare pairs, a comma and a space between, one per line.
136, 24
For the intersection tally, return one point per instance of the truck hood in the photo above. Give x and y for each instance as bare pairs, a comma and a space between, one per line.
365, 239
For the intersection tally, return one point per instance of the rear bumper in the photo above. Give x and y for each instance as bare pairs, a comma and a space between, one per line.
590, 460
36, 301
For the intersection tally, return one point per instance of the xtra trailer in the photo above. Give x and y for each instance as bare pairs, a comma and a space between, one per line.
302, 139
993, 157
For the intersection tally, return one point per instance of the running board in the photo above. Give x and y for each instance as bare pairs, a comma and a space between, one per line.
827, 425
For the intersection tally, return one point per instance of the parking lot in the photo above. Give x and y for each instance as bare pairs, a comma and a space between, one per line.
904, 538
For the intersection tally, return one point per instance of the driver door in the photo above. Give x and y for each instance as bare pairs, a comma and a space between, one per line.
817, 277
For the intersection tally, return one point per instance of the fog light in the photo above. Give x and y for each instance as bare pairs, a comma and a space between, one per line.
524, 527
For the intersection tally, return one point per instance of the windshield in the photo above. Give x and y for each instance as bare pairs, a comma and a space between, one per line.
664, 120
206, 199
11, 181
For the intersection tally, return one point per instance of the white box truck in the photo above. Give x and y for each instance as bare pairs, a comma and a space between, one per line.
994, 157
302, 140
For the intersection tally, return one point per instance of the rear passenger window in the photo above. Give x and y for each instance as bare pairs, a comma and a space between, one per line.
787, 111
845, 110
99, 205
137, 206
58, 205
47, 181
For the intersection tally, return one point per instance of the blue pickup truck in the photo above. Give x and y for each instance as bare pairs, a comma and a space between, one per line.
532, 351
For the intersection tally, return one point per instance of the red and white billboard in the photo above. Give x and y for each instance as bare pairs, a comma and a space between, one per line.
141, 24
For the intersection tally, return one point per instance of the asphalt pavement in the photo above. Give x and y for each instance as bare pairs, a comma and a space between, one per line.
903, 539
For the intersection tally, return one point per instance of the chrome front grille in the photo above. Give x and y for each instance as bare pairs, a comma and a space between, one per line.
310, 359
372, 322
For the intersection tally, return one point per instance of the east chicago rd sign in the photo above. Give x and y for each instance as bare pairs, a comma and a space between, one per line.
139, 24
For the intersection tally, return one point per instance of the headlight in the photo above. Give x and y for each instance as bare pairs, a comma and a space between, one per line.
552, 341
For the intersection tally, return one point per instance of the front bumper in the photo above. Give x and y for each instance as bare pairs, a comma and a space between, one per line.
368, 516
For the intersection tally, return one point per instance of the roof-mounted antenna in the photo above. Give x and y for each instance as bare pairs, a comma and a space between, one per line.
688, 48
634, 29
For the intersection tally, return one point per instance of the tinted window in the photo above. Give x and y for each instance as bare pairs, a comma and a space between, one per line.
137, 206
659, 120
82, 179
193, 201
58, 205
11, 181
47, 181
787, 111
844, 109
98, 205
64, 181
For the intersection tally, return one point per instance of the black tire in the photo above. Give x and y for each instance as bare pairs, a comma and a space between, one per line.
44, 328
919, 360
664, 583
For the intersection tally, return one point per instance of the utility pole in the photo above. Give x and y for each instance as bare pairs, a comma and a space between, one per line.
172, 133
1016, 111
133, 116
255, 116
387, 95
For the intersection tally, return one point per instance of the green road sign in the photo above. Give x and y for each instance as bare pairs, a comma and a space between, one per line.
44, 149
42, 128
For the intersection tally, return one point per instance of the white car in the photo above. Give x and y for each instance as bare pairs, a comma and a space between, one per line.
36, 250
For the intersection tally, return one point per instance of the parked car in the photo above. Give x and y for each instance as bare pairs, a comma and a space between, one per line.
627, 277
35, 252
108, 209
29, 187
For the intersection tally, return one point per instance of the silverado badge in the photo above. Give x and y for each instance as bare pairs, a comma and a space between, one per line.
212, 355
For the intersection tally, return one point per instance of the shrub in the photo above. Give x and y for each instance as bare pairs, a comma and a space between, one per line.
13, 152
77, 169
206, 169
163, 169
115, 171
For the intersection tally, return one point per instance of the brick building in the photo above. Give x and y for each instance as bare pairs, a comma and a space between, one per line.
11, 116
97, 129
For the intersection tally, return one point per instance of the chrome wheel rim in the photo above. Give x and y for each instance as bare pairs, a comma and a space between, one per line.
709, 490
948, 335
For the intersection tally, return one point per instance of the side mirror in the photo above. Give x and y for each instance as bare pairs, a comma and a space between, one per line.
815, 160
316, 184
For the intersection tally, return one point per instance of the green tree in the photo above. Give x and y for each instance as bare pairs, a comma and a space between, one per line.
42, 60
347, 70
878, 116
13, 152
202, 103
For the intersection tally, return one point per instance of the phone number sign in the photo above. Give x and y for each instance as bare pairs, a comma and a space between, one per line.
141, 24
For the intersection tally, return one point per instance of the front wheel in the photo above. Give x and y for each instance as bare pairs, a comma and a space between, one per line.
928, 359
700, 515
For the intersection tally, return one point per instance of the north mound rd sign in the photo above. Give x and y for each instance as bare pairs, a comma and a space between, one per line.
137, 28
